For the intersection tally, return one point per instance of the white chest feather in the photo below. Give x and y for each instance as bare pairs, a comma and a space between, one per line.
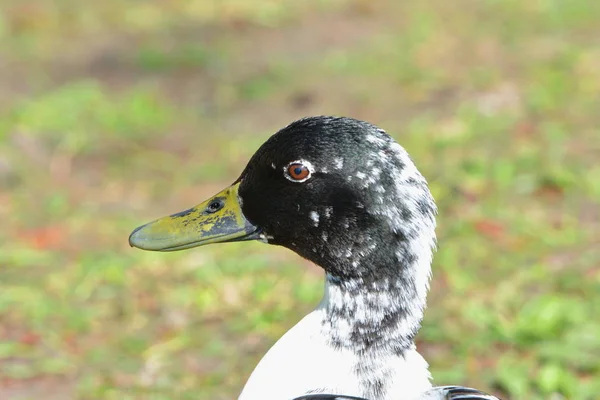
303, 362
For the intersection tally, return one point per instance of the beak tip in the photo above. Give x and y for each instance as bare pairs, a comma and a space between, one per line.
134, 238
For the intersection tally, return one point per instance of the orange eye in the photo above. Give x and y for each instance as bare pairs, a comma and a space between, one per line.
298, 172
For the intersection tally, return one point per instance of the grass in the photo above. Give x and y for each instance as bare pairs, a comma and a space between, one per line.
116, 113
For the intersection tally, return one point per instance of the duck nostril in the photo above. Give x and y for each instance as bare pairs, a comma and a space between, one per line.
214, 206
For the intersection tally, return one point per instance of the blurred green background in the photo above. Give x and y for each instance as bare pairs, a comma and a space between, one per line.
113, 113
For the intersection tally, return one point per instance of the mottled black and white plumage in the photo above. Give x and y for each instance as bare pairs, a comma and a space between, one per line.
366, 216
343, 194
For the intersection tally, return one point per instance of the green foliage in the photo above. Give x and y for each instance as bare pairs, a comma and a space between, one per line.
80, 116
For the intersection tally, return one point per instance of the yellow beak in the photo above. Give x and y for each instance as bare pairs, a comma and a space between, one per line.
218, 219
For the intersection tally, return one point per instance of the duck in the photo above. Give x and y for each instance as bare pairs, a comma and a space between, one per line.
343, 194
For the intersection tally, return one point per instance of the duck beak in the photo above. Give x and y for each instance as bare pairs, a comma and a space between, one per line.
218, 219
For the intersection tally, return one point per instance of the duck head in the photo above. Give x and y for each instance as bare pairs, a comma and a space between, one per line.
337, 191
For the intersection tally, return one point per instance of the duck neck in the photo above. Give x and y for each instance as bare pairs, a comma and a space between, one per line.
377, 315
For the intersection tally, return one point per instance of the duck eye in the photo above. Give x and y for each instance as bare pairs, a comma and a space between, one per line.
298, 172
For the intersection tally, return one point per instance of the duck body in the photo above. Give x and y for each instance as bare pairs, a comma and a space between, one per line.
343, 194
436, 393
305, 361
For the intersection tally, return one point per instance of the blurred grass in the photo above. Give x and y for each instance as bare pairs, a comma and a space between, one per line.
118, 112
